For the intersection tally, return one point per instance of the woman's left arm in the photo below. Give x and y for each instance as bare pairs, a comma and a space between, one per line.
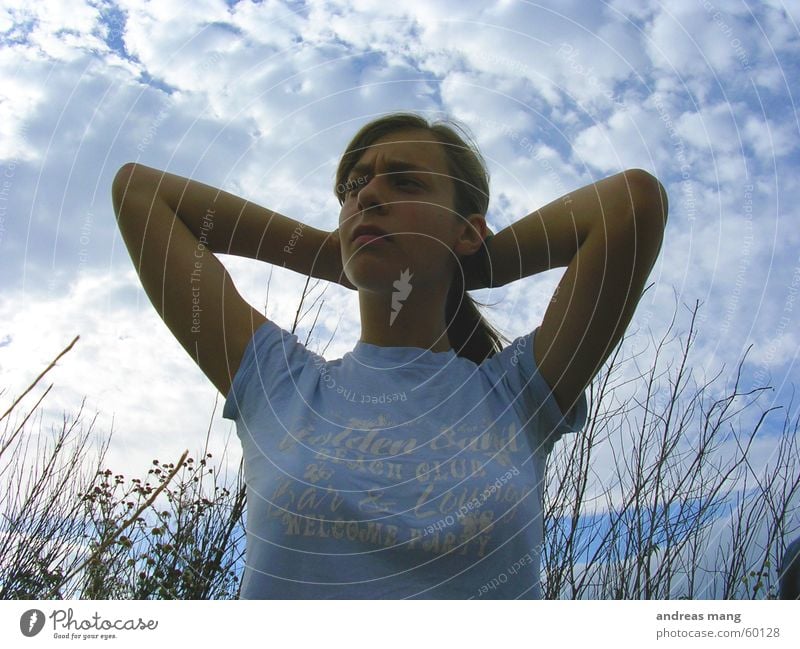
609, 235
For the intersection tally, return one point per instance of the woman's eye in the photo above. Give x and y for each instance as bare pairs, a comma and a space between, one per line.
407, 182
352, 187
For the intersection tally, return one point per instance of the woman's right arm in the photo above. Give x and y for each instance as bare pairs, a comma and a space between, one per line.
172, 226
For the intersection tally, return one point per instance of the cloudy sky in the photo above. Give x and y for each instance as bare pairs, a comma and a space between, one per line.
261, 98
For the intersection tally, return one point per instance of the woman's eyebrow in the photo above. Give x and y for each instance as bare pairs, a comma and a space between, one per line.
390, 165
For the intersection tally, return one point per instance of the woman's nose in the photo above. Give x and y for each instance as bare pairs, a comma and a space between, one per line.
370, 195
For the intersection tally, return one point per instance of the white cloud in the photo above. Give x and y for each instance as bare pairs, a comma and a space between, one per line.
126, 363
699, 38
711, 128
632, 137
770, 140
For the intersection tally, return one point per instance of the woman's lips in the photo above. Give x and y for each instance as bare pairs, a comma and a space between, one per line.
367, 238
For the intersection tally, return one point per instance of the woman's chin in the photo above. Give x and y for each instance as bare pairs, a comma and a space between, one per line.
375, 276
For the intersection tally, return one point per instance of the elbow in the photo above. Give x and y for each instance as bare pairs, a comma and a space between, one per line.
648, 197
120, 186
124, 176
125, 182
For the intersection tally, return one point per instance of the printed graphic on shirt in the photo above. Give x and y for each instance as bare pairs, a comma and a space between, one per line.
440, 498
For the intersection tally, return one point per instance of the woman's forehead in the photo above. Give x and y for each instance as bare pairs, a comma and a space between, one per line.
417, 147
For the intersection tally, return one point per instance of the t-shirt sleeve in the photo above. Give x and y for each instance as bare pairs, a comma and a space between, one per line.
273, 360
532, 396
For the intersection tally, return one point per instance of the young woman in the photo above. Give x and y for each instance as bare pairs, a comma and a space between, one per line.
413, 466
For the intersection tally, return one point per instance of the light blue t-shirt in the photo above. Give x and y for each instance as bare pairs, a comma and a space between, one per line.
393, 472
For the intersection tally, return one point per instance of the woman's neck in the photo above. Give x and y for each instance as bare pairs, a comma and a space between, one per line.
403, 319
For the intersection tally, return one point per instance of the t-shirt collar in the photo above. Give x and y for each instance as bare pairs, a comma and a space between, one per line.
384, 357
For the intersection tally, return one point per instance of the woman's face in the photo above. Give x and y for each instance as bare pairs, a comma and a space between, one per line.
401, 185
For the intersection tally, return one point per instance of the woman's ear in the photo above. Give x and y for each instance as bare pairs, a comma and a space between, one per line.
474, 230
